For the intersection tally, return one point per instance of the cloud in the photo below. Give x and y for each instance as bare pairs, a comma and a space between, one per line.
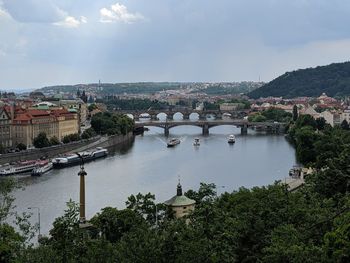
119, 13
34, 11
71, 22
38, 11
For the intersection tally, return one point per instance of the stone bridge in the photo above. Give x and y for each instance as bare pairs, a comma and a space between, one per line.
272, 127
186, 112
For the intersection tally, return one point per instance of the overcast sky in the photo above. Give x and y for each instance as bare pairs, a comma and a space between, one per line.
48, 42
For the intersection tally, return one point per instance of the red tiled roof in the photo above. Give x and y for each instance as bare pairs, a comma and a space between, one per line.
23, 117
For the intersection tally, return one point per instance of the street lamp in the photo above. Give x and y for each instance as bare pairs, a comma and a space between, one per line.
34, 207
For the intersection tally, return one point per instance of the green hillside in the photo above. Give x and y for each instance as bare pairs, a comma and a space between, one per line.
333, 79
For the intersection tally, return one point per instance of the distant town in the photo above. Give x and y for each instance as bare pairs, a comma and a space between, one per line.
64, 111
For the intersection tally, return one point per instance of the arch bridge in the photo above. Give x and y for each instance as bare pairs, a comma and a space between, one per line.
186, 112
272, 127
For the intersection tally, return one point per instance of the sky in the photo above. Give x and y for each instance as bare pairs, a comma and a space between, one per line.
51, 42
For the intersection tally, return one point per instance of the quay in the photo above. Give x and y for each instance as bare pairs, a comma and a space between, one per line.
297, 180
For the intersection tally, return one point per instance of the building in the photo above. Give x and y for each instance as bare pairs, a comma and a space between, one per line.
345, 115
5, 128
230, 106
332, 117
67, 123
180, 204
27, 124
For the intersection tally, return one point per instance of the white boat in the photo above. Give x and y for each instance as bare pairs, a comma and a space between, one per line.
22, 167
231, 139
42, 168
172, 142
196, 142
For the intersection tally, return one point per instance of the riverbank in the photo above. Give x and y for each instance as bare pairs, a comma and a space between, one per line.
50, 152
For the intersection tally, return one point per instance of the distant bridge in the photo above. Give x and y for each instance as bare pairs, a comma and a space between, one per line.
272, 127
186, 112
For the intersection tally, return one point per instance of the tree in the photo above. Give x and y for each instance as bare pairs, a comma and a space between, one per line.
306, 120
91, 107
2, 148
295, 113
345, 125
113, 223
41, 140
21, 147
88, 133
320, 123
305, 149
71, 138
143, 205
54, 140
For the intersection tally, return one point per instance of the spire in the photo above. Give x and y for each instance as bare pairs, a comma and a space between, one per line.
179, 189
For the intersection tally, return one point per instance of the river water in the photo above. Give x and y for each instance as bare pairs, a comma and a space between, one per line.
147, 165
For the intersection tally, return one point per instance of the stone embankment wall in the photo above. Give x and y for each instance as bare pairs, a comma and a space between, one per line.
50, 152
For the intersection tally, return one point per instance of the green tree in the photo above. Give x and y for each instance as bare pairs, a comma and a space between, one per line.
21, 147
2, 148
295, 113
113, 223
54, 140
345, 125
41, 140
91, 107
320, 123
88, 133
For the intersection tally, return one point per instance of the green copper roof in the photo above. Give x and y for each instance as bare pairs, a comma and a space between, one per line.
179, 201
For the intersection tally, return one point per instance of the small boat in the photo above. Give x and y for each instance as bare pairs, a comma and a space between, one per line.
231, 139
21, 167
172, 142
42, 167
196, 142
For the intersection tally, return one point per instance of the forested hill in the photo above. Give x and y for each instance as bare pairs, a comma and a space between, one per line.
333, 79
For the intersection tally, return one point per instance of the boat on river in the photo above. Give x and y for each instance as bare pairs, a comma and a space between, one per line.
172, 142
76, 158
196, 142
21, 167
42, 167
231, 139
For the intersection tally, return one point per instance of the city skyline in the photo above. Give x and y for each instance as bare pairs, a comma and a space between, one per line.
68, 42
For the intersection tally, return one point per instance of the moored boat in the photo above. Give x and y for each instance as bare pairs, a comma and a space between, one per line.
231, 139
75, 158
42, 167
172, 142
21, 167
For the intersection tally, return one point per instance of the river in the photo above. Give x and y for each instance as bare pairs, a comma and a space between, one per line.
147, 165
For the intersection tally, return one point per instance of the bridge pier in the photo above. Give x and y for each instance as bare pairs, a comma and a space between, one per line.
244, 129
154, 117
166, 130
170, 116
205, 129
202, 116
186, 116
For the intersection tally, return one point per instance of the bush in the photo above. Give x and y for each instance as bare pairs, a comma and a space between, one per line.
71, 138
41, 141
21, 147
88, 133
54, 140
